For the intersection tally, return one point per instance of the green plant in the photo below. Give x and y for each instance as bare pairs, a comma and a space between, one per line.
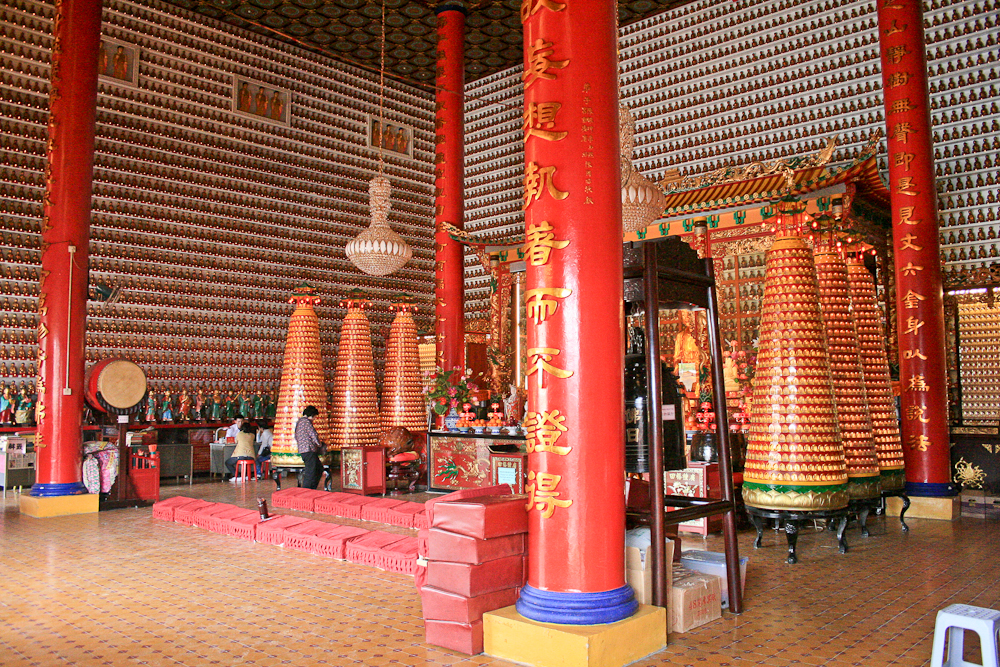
448, 389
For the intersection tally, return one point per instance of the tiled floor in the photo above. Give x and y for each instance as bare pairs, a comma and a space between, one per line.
121, 588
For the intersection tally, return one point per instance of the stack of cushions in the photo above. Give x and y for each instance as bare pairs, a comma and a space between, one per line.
475, 555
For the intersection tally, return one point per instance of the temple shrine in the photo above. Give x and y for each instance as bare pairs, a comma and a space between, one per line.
585, 327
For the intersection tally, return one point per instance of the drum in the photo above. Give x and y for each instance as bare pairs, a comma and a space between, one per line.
115, 385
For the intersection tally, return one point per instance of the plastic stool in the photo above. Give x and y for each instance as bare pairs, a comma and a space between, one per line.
246, 468
265, 468
955, 620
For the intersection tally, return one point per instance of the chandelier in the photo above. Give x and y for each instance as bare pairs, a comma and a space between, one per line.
642, 201
379, 251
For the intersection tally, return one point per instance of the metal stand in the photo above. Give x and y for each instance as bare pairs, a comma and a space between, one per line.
861, 508
791, 520
123, 494
906, 505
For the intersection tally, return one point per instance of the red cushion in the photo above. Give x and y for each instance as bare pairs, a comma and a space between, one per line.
405, 456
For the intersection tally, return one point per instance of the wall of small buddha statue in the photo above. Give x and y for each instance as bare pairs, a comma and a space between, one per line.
717, 84
229, 168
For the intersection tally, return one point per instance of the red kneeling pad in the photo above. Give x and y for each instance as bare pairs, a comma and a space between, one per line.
444, 545
483, 518
472, 580
462, 637
442, 605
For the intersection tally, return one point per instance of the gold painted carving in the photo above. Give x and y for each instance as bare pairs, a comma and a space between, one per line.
968, 475
742, 246
792, 500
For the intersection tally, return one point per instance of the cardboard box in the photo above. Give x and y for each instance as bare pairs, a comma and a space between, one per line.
974, 503
991, 505
639, 571
711, 562
695, 599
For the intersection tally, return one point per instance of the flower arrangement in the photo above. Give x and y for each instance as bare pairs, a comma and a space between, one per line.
745, 363
446, 390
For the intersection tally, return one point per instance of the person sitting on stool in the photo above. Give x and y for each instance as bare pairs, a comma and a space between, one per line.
233, 431
246, 449
265, 438
309, 447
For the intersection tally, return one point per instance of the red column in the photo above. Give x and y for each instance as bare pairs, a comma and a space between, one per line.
449, 175
62, 296
573, 249
915, 240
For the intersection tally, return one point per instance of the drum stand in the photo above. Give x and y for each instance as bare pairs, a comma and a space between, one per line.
123, 493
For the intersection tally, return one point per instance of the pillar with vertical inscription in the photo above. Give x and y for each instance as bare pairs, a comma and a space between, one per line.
922, 367
573, 233
62, 292
449, 173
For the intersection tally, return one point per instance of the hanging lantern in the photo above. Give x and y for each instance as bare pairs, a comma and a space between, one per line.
301, 380
791, 216
642, 201
379, 251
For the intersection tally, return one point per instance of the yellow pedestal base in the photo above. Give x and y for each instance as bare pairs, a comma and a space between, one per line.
510, 636
43, 508
946, 509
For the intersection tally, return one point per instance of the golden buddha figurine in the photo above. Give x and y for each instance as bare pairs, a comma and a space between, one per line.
688, 357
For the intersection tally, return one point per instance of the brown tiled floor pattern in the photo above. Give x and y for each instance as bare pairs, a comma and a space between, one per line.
121, 588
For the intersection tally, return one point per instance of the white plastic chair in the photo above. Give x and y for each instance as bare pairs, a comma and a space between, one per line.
953, 621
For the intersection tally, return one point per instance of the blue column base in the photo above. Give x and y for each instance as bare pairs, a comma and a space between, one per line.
577, 608
931, 490
47, 490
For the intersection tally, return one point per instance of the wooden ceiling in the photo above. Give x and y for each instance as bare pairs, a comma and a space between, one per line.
350, 30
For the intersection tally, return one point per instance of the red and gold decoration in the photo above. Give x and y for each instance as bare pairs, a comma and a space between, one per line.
795, 459
65, 236
402, 393
354, 420
573, 296
912, 184
845, 371
301, 380
449, 175
875, 364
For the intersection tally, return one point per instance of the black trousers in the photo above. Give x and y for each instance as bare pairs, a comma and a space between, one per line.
311, 471
231, 463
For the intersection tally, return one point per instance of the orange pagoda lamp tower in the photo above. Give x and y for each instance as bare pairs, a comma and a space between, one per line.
355, 401
795, 459
402, 396
875, 364
301, 379
863, 478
